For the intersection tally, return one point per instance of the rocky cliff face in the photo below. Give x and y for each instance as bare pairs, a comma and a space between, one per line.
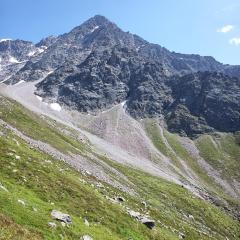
97, 65
204, 101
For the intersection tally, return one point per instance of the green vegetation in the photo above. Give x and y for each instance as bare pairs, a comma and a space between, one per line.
38, 127
40, 182
222, 152
179, 211
43, 184
174, 151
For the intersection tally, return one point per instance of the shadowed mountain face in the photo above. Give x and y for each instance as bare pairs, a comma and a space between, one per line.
97, 65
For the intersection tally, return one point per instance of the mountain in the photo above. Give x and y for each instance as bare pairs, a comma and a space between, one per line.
97, 65
104, 135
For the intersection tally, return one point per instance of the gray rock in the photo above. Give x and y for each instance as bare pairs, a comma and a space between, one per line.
62, 217
86, 237
148, 222
120, 199
3, 188
21, 202
181, 236
143, 219
86, 222
52, 224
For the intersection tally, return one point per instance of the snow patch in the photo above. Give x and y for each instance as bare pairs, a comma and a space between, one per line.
3, 81
37, 51
123, 103
40, 50
20, 82
30, 54
95, 28
13, 60
50, 72
44, 47
55, 107
39, 98
5, 39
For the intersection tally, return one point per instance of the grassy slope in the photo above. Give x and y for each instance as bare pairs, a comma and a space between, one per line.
39, 183
35, 127
222, 152
224, 158
171, 205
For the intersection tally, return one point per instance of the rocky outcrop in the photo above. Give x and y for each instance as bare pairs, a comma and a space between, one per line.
203, 102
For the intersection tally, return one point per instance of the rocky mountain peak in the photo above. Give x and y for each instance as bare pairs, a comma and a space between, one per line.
96, 22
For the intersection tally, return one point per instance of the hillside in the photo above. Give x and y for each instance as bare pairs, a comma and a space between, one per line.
104, 135
33, 183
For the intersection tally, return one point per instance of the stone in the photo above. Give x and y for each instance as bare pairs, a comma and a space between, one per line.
191, 217
34, 209
62, 217
21, 202
3, 188
181, 236
86, 222
120, 199
52, 224
148, 222
86, 237
144, 204
134, 214
143, 219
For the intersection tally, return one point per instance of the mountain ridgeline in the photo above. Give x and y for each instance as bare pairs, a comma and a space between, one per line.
97, 65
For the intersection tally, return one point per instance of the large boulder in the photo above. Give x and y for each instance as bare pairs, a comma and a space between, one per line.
143, 219
148, 222
62, 217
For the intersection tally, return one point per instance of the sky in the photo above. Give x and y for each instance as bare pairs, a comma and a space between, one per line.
205, 27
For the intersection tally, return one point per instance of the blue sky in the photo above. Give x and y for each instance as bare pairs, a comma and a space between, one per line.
206, 27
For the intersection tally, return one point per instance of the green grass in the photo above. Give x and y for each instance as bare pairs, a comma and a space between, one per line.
171, 204
224, 155
152, 130
177, 151
39, 183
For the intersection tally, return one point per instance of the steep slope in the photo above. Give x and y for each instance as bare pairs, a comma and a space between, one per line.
204, 102
34, 183
124, 140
